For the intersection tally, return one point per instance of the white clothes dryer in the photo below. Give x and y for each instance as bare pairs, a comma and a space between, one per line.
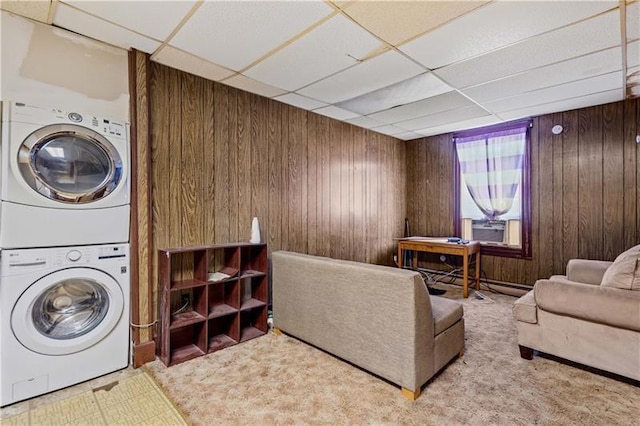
64, 178
64, 317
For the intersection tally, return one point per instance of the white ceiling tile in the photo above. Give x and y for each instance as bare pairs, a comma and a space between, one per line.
595, 34
370, 75
335, 112
444, 102
327, 49
178, 59
253, 86
90, 26
562, 72
497, 25
407, 136
37, 10
633, 21
155, 19
416, 17
300, 101
570, 90
473, 123
633, 54
236, 33
419, 87
388, 130
441, 118
365, 122
566, 105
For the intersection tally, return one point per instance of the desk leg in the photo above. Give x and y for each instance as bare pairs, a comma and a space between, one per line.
465, 275
399, 262
414, 259
477, 270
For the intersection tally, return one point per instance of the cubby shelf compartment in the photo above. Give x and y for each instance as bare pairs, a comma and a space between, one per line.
202, 313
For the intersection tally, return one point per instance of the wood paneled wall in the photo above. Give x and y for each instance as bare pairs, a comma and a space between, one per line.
585, 190
221, 156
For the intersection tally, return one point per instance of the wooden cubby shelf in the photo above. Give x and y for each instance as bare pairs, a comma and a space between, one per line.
201, 310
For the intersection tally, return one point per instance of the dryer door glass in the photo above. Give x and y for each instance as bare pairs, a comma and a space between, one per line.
70, 163
70, 308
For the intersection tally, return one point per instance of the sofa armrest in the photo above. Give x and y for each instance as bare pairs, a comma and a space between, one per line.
604, 305
586, 271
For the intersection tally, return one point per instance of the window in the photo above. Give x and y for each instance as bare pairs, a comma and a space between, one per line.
492, 189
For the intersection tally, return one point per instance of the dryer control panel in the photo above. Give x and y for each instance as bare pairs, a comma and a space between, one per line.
26, 113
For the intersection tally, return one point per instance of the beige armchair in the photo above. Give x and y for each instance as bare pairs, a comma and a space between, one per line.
590, 316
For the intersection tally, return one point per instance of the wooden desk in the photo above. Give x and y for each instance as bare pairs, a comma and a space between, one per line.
441, 246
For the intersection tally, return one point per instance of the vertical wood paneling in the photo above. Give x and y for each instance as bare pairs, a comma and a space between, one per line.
209, 162
284, 192
372, 196
244, 165
584, 185
631, 166
160, 149
570, 213
220, 156
323, 136
221, 164
335, 180
275, 177
557, 225
612, 180
545, 182
590, 182
233, 166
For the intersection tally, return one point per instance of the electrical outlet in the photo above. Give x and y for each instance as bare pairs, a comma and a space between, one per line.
443, 258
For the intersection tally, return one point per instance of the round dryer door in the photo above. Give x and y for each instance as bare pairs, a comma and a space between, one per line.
67, 311
69, 163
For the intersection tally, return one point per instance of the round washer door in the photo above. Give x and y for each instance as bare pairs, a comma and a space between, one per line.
69, 163
67, 311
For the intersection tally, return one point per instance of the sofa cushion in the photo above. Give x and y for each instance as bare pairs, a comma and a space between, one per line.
445, 312
524, 309
587, 271
604, 305
624, 273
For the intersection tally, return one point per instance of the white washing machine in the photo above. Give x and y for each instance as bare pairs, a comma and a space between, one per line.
64, 178
64, 317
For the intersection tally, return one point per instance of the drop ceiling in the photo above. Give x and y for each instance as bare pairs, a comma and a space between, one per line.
403, 68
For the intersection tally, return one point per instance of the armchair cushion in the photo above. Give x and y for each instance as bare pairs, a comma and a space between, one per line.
604, 305
524, 309
587, 271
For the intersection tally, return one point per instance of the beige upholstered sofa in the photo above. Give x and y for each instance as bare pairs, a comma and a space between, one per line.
379, 318
590, 316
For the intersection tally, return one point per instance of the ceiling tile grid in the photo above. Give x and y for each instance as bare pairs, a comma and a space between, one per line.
154, 19
402, 68
594, 64
300, 101
236, 33
96, 28
331, 47
497, 25
586, 37
184, 61
373, 74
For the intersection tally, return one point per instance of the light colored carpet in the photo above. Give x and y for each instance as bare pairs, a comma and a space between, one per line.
280, 380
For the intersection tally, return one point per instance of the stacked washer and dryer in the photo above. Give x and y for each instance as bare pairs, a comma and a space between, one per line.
64, 259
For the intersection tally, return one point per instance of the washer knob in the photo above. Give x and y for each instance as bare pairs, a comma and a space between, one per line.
74, 255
